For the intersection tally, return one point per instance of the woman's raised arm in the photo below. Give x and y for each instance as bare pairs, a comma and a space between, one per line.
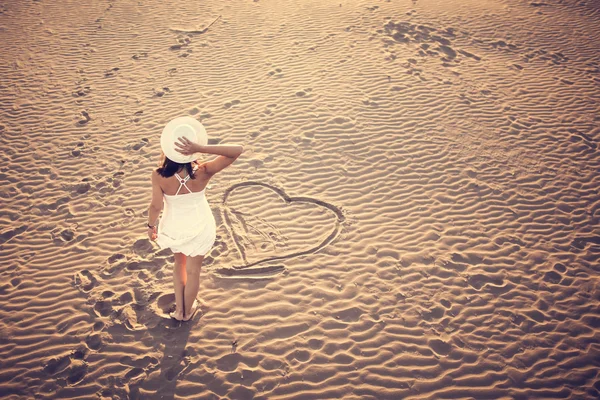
227, 153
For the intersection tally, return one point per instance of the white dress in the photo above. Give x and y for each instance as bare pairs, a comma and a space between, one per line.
187, 225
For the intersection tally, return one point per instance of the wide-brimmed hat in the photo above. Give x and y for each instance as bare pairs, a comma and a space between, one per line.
187, 127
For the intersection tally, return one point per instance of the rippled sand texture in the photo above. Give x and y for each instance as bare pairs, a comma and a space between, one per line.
416, 214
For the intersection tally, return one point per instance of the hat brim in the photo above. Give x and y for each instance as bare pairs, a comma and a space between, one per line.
187, 127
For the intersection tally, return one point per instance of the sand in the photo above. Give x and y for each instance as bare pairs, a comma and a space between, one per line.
416, 214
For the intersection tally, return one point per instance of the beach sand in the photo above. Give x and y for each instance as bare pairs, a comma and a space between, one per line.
416, 214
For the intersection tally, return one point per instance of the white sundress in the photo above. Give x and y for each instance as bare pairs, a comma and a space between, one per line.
187, 225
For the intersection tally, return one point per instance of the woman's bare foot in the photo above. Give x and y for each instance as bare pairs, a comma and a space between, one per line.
177, 314
193, 310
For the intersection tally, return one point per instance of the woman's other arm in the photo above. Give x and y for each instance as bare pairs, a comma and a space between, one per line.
156, 205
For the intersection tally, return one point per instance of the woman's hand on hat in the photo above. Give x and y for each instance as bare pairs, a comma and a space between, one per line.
186, 146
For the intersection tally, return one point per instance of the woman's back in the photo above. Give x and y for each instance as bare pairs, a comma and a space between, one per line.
186, 213
173, 185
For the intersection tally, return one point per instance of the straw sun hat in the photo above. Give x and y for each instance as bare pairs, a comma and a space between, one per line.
187, 127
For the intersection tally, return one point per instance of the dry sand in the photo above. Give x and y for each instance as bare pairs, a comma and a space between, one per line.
416, 214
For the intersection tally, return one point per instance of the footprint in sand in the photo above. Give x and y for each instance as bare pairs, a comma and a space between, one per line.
139, 56
137, 116
8, 234
84, 280
160, 92
231, 103
111, 72
165, 304
503, 45
202, 115
81, 91
72, 367
582, 242
269, 110
76, 152
94, 341
277, 72
81, 188
63, 235
186, 53
434, 313
556, 275
552, 277
578, 136
182, 41
303, 92
115, 257
369, 102
85, 118
143, 142
440, 347
67, 235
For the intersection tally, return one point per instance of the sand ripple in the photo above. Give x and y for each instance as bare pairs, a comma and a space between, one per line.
416, 214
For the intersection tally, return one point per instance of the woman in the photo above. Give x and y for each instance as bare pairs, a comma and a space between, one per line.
187, 226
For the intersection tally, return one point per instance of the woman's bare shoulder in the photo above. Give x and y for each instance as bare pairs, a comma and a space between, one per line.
157, 178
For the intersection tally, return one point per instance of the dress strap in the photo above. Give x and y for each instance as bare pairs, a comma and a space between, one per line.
182, 181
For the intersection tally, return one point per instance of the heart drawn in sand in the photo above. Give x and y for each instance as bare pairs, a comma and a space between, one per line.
267, 227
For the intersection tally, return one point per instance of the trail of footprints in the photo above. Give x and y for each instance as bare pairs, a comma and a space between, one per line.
136, 306
441, 43
432, 42
72, 368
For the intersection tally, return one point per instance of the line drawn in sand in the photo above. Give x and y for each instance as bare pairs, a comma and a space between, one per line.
267, 250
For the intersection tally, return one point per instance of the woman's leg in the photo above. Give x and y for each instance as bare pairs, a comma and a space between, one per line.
179, 281
193, 267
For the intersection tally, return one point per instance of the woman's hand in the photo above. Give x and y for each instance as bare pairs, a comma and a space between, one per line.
187, 147
152, 233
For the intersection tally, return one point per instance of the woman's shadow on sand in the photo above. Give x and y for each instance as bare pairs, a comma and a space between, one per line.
148, 373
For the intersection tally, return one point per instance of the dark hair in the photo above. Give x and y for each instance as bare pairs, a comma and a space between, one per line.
168, 168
